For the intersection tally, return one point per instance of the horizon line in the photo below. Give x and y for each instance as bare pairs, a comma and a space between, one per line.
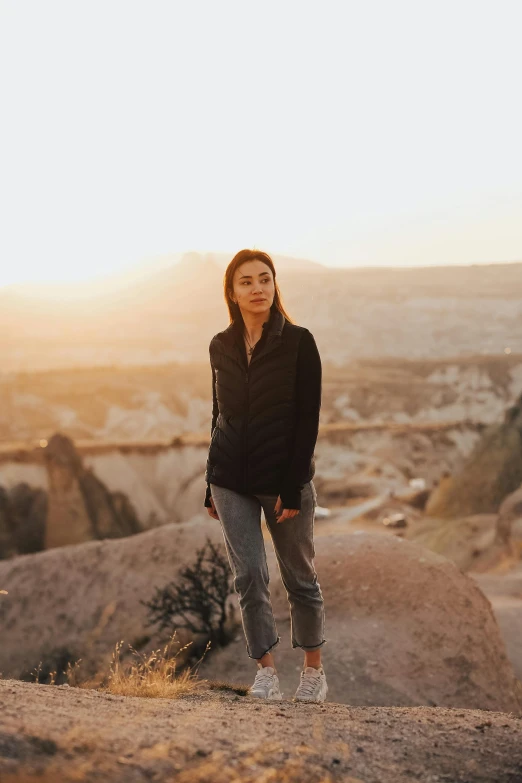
134, 266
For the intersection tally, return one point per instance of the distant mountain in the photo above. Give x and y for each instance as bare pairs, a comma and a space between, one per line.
191, 263
282, 263
170, 313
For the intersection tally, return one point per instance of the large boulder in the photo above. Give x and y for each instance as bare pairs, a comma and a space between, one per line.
78, 601
404, 626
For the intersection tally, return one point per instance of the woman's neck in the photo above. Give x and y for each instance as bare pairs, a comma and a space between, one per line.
254, 325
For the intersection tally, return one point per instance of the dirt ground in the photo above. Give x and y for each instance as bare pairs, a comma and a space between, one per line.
71, 734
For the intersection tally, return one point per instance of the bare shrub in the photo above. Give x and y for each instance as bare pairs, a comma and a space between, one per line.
197, 601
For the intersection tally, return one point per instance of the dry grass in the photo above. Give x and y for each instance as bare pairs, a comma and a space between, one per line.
153, 675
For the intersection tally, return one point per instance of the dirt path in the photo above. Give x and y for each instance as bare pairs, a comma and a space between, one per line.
219, 737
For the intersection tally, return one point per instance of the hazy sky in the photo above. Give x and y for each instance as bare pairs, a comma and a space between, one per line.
346, 132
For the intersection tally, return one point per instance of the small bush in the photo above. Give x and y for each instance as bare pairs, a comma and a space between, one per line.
197, 601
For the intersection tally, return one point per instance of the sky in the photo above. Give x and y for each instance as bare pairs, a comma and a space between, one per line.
350, 133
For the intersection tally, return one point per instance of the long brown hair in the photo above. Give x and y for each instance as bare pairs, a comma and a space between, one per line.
228, 286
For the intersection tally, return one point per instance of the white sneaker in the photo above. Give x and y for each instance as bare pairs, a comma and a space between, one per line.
313, 685
266, 684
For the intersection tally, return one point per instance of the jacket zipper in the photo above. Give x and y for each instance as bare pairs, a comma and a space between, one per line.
245, 435
245, 425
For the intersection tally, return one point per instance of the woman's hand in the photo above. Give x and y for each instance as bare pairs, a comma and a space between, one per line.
212, 511
284, 513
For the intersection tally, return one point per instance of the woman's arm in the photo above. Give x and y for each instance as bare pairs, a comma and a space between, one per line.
215, 411
308, 401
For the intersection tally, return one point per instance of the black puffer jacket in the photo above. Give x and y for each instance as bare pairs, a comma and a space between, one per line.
265, 415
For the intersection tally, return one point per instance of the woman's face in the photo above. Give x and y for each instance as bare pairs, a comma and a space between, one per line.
253, 287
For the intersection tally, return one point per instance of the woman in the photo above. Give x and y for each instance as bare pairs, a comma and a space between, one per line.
266, 384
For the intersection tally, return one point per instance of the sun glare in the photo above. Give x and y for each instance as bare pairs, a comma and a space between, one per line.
336, 134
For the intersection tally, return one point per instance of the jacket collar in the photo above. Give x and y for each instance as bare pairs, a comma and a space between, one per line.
233, 335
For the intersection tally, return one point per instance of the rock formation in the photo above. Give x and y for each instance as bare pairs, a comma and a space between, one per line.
76, 506
492, 472
80, 506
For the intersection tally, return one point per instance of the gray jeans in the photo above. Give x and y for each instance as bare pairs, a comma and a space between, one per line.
240, 518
